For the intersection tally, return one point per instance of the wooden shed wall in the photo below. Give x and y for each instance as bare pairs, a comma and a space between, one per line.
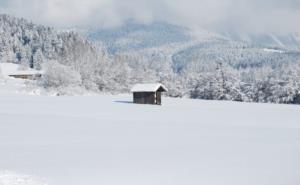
158, 98
144, 97
27, 76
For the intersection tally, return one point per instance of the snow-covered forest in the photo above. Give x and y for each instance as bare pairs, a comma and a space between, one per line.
215, 68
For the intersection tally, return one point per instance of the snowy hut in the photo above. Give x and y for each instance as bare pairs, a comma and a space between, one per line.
148, 93
13, 70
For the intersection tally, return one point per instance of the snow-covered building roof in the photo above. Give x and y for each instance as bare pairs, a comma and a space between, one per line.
149, 87
8, 69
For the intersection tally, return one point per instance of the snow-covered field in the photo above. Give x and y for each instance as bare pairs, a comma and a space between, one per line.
106, 140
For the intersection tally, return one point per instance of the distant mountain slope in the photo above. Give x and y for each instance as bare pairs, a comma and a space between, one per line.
289, 41
181, 46
134, 36
239, 55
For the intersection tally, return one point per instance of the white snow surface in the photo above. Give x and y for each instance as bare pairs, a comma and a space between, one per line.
148, 87
94, 140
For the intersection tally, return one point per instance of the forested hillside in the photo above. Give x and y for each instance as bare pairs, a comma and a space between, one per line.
209, 66
30, 44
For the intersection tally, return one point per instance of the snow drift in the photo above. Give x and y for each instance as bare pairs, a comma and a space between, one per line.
12, 178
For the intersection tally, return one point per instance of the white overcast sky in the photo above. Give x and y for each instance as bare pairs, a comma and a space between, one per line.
278, 16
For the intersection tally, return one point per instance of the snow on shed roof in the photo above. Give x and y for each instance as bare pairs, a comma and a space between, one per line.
149, 87
13, 69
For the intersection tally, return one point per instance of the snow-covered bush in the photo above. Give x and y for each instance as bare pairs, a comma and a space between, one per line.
57, 75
